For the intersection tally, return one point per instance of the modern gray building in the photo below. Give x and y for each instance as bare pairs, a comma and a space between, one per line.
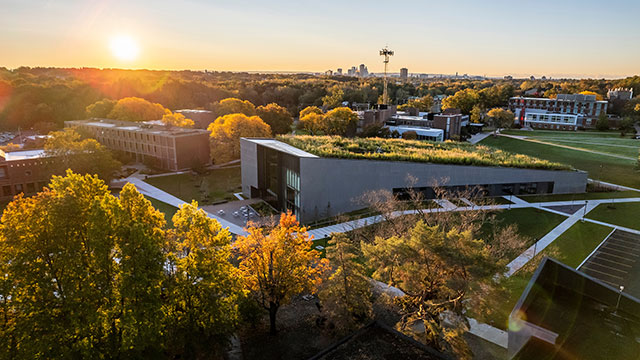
314, 187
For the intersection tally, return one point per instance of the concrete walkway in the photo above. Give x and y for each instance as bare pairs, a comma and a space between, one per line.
612, 186
158, 194
488, 332
474, 139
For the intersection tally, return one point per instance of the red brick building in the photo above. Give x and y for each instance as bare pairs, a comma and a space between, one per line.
23, 172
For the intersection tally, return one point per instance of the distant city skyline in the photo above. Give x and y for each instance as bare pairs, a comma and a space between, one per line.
571, 38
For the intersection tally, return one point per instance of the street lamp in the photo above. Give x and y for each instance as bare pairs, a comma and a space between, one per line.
586, 203
619, 296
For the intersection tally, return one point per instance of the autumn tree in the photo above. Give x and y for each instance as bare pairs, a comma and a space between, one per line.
137, 109
463, 100
422, 104
346, 295
202, 286
84, 271
226, 132
340, 121
277, 117
334, 99
410, 135
279, 265
477, 114
500, 118
69, 150
310, 110
177, 119
313, 123
233, 106
100, 109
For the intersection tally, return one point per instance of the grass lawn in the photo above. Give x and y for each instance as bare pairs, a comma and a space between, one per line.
571, 248
165, 208
532, 223
601, 167
623, 214
214, 186
585, 196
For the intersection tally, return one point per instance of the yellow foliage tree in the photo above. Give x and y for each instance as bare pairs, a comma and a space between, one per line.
587, 92
226, 132
312, 122
310, 110
233, 106
279, 265
177, 119
137, 109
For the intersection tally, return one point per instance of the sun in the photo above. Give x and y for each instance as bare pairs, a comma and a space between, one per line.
124, 48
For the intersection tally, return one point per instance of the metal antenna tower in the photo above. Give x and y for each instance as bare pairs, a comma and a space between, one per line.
386, 53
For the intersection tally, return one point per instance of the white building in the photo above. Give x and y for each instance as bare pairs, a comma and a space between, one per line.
423, 133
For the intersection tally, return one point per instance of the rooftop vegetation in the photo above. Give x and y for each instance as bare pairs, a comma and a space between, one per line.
416, 151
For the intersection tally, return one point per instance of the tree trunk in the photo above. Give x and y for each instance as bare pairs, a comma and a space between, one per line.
273, 309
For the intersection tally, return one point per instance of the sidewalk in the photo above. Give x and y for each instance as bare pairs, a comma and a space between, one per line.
153, 192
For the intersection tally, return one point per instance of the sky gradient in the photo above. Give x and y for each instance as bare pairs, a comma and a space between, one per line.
561, 38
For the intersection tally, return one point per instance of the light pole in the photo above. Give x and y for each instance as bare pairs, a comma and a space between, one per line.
586, 203
619, 296
386, 53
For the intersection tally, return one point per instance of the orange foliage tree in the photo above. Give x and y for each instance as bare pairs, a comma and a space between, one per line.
137, 109
280, 265
226, 132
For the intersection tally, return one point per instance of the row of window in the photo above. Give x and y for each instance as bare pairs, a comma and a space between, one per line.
137, 147
551, 118
28, 188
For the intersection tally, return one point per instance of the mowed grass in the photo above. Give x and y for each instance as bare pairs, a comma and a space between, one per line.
532, 223
578, 197
622, 214
601, 167
571, 248
214, 186
605, 142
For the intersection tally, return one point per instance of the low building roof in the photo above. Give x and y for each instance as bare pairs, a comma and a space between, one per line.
424, 131
148, 127
23, 155
281, 146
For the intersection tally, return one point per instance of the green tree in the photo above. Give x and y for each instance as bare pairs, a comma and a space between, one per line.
464, 100
202, 287
437, 271
84, 270
501, 118
233, 106
277, 117
602, 123
346, 295
87, 156
280, 265
100, 109
340, 121
177, 119
137, 109
226, 132
410, 135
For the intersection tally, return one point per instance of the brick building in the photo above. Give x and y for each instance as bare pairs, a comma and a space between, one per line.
169, 148
451, 121
23, 172
584, 108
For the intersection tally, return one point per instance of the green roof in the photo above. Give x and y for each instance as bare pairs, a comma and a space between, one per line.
449, 152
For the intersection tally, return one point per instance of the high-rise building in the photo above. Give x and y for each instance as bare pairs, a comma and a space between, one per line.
363, 71
404, 73
339, 71
352, 71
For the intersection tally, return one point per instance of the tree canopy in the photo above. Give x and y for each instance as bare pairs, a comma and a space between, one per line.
177, 119
233, 106
137, 109
340, 121
226, 132
279, 265
277, 117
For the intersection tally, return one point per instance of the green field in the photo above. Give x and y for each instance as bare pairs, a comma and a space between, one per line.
532, 223
623, 214
601, 167
214, 186
166, 209
571, 248
605, 142
585, 196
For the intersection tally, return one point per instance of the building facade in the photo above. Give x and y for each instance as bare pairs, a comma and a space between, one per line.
404, 73
314, 188
167, 148
24, 172
585, 107
201, 118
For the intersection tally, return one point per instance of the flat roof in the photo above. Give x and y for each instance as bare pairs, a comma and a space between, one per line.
419, 130
283, 147
24, 155
150, 127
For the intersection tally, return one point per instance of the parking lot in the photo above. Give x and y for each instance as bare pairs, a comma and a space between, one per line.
237, 212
